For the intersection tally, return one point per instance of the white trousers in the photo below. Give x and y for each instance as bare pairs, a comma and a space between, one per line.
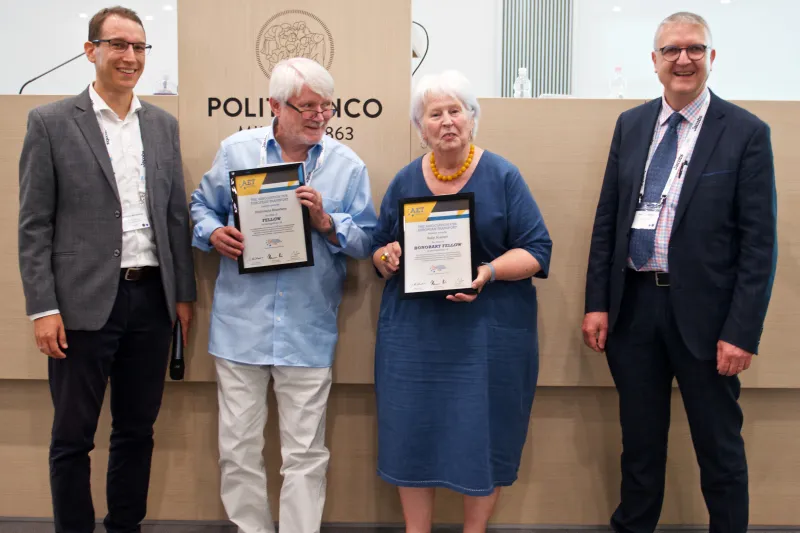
302, 395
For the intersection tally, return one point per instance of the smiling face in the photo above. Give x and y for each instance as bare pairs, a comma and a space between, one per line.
446, 126
297, 130
117, 72
683, 79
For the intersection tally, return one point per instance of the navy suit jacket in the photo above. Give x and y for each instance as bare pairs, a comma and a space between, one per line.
723, 247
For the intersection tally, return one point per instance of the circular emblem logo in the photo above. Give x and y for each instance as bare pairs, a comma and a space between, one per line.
293, 33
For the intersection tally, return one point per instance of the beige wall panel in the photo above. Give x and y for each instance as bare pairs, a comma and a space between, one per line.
563, 162
217, 58
569, 472
19, 358
561, 147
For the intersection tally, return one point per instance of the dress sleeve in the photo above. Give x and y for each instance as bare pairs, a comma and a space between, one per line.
526, 226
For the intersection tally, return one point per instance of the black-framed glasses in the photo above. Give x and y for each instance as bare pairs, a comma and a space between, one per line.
311, 112
120, 46
694, 52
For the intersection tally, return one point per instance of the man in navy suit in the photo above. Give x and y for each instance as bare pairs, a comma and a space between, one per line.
680, 273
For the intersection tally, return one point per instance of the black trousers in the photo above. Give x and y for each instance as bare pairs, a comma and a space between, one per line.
645, 352
131, 351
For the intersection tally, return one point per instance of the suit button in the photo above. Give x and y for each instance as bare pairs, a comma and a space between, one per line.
116, 253
117, 214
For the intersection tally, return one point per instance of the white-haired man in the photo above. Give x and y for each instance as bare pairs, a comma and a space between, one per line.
281, 324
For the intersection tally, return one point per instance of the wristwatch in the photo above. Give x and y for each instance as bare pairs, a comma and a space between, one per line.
332, 229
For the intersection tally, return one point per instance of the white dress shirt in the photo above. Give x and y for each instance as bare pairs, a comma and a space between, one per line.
124, 143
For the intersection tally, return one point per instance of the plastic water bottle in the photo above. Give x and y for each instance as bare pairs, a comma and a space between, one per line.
522, 85
618, 84
165, 87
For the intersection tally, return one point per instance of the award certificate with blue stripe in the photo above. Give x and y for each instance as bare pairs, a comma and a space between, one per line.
275, 225
436, 237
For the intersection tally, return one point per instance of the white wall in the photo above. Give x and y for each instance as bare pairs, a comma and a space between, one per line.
36, 35
756, 48
465, 35
756, 51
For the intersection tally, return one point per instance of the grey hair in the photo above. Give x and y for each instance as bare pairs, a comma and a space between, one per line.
682, 17
448, 83
290, 75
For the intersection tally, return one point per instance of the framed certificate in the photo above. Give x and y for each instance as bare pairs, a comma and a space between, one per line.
436, 235
275, 225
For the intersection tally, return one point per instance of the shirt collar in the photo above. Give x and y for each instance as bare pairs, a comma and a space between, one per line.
99, 104
271, 141
690, 112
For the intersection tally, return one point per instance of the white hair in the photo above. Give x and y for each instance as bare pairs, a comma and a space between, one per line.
290, 75
682, 17
448, 83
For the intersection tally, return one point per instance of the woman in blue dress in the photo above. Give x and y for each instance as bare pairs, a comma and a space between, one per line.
455, 376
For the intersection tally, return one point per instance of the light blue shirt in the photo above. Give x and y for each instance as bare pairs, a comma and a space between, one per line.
283, 317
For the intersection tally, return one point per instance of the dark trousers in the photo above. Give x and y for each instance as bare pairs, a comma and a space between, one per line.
132, 351
645, 352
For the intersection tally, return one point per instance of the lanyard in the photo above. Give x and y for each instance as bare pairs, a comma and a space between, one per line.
141, 185
680, 160
262, 160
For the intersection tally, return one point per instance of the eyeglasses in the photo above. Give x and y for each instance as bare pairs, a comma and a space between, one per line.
311, 112
694, 52
120, 46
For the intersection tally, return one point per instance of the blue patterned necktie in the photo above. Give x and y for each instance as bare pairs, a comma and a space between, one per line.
643, 241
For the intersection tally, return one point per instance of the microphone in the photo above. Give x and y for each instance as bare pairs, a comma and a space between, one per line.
176, 365
51, 70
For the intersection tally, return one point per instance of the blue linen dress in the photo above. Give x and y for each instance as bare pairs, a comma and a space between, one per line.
455, 381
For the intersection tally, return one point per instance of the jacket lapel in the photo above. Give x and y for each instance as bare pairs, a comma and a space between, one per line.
642, 137
707, 140
87, 122
150, 164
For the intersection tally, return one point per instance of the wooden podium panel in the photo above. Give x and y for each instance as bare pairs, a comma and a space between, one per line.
562, 160
569, 474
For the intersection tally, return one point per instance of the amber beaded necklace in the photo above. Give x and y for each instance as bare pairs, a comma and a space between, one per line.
458, 174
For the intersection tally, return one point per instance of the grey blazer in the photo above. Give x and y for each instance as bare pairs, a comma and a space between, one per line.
70, 225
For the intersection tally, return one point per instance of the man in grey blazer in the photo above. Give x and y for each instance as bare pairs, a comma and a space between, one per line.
106, 264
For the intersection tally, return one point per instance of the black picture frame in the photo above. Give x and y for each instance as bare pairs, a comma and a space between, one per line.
298, 167
444, 198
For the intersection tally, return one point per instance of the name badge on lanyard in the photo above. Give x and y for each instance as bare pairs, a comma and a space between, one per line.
647, 213
134, 217
646, 216
142, 185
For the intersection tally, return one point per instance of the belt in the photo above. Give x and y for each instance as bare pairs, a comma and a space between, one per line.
139, 273
660, 279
